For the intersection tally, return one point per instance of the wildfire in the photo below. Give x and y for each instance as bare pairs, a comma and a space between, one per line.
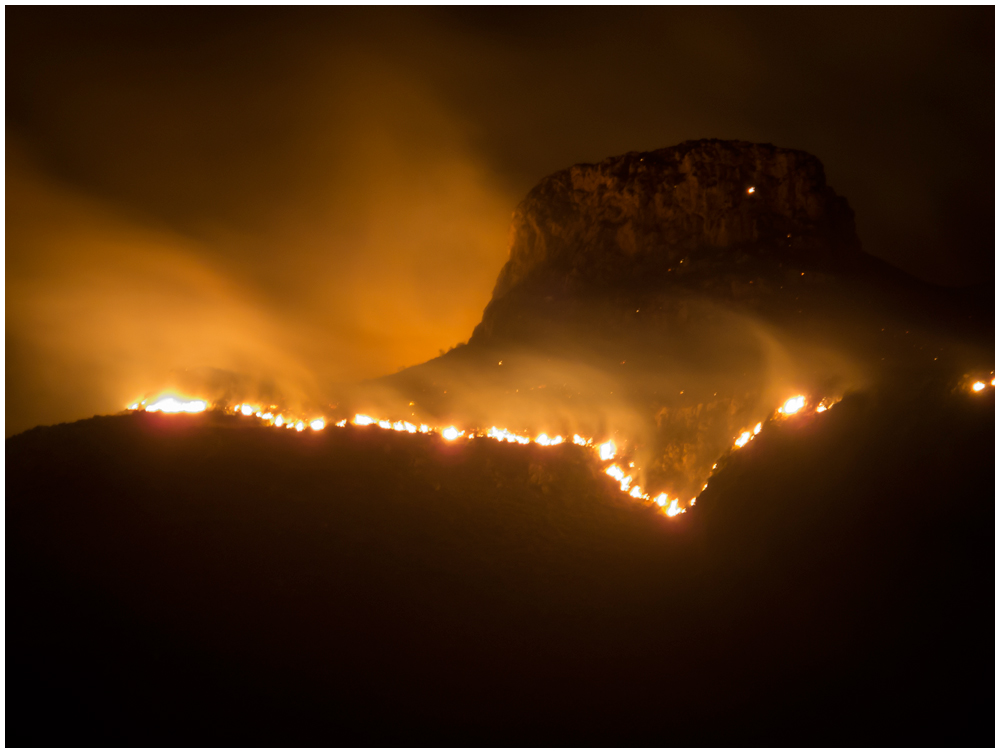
173, 405
978, 383
605, 451
619, 475
502, 435
793, 405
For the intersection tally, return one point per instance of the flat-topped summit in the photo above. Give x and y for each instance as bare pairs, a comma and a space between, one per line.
645, 210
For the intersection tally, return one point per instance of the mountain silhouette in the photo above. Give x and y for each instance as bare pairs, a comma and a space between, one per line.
204, 578
676, 296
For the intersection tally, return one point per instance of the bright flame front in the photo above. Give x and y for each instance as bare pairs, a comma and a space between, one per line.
606, 451
173, 405
793, 405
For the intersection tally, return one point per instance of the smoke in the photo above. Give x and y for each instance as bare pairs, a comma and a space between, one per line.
102, 310
672, 389
365, 238
267, 205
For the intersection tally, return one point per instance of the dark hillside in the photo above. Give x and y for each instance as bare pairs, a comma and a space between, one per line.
678, 295
194, 580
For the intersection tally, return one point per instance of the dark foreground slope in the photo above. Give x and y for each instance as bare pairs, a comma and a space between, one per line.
194, 580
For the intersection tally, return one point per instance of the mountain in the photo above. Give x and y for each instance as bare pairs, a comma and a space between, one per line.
730, 211
201, 578
206, 578
674, 298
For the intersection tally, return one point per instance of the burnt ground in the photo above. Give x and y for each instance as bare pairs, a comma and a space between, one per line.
176, 580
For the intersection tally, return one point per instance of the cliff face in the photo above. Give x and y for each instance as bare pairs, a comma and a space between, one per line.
656, 295
650, 210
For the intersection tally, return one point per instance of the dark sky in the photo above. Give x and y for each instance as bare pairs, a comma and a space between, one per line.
322, 194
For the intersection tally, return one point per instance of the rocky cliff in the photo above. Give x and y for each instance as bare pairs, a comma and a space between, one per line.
670, 298
642, 207
728, 210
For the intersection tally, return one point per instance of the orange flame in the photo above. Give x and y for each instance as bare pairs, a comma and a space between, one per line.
605, 451
793, 405
173, 405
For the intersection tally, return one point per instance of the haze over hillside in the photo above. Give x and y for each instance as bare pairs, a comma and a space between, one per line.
218, 577
497, 376
180, 577
672, 297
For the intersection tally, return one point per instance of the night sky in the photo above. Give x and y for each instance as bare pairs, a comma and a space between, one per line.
312, 196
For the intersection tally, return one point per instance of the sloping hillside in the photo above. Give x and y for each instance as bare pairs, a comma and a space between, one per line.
175, 579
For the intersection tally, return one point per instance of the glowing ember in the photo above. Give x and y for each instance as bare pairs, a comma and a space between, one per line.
502, 435
977, 387
619, 475
793, 405
606, 451
173, 405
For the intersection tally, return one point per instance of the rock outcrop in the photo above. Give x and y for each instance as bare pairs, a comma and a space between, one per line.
646, 209
728, 219
676, 297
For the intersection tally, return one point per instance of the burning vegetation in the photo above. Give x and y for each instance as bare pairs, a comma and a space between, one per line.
617, 462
